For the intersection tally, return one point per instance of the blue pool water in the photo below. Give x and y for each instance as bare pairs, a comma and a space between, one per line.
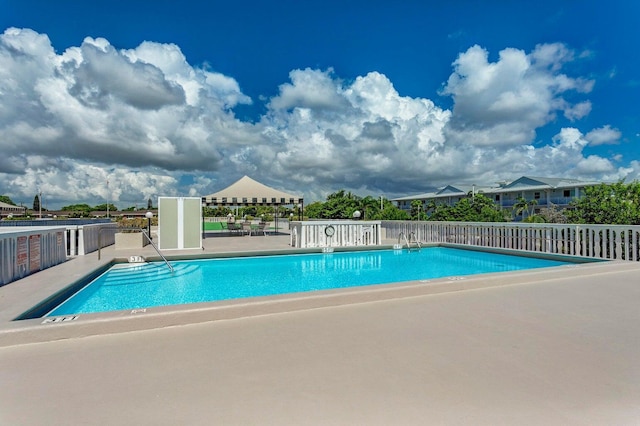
127, 286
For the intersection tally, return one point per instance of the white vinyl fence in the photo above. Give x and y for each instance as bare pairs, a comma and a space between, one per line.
620, 242
85, 239
335, 233
24, 252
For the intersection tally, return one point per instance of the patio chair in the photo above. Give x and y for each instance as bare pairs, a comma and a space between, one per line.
261, 228
234, 227
246, 227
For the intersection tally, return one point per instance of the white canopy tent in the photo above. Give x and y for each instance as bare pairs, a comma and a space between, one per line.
248, 192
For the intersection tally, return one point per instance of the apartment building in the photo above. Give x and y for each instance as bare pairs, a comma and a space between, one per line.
545, 191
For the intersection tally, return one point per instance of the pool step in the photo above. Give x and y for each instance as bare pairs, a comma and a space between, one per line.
145, 273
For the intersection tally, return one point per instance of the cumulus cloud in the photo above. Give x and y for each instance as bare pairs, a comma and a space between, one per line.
143, 108
605, 135
365, 131
72, 182
104, 73
352, 133
151, 124
309, 88
503, 103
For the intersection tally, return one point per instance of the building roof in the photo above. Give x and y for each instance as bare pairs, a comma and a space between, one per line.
250, 192
530, 183
523, 183
4, 205
447, 191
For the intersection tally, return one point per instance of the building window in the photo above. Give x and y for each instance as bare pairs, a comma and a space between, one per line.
498, 197
567, 193
536, 195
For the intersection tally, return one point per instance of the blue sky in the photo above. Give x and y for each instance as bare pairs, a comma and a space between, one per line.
392, 98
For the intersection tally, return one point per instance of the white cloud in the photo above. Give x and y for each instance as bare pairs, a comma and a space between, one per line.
504, 102
76, 182
578, 111
139, 108
565, 157
351, 133
605, 135
594, 164
309, 89
152, 124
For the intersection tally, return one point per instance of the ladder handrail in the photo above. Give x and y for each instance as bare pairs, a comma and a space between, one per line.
157, 250
412, 237
144, 232
415, 238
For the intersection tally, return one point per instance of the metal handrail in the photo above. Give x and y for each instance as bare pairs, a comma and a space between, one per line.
415, 238
412, 237
402, 234
157, 250
144, 232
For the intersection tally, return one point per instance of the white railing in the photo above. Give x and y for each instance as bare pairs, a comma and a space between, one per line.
95, 235
620, 242
335, 233
85, 239
26, 251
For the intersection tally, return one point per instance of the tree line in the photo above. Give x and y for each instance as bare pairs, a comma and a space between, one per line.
614, 204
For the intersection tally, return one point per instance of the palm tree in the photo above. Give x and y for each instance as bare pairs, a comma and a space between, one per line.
369, 207
531, 205
523, 206
416, 206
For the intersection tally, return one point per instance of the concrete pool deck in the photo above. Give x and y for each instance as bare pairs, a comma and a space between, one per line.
560, 347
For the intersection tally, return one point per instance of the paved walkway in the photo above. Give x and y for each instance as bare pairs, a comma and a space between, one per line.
552, 349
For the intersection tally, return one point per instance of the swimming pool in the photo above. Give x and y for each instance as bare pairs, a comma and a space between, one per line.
127, 286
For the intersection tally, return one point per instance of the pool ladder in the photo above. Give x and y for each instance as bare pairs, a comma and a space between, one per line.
411, 242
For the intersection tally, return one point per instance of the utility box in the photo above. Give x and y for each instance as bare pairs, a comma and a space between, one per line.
179, 223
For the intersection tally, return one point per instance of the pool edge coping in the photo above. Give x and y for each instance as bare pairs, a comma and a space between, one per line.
48, 329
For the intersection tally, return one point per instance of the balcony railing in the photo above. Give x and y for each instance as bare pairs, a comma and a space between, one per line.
558, 201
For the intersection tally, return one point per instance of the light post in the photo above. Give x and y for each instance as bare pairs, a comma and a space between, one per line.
107, 198
149, 215
40, 204
202, 207
356, 215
